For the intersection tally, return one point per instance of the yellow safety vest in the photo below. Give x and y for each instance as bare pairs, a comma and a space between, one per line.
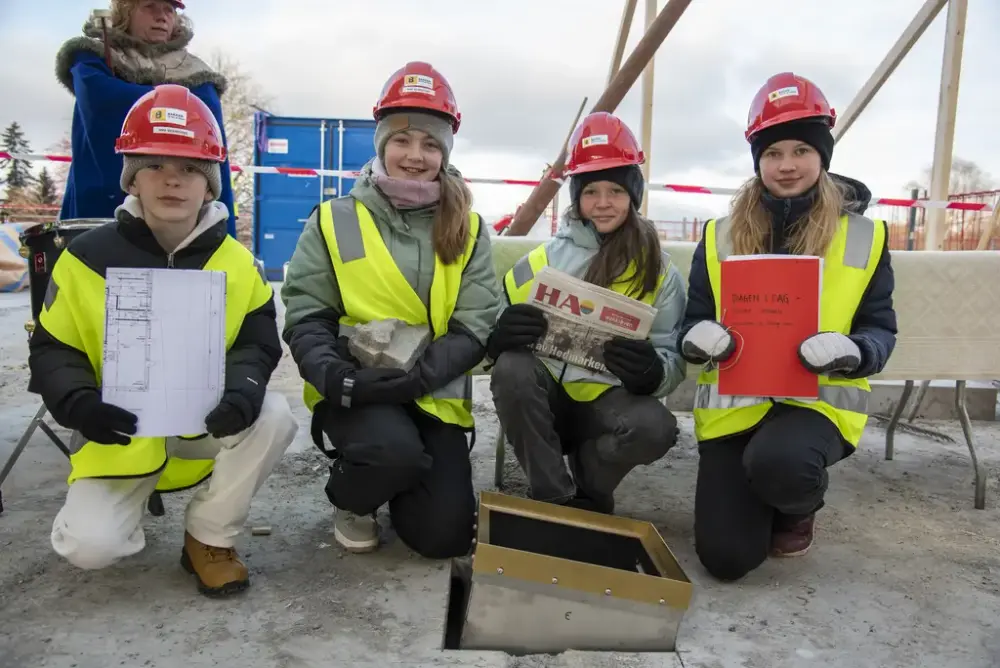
372, 288
76, 318
580, 384
848, 266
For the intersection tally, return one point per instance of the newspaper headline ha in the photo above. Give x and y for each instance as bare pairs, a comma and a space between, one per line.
582, 317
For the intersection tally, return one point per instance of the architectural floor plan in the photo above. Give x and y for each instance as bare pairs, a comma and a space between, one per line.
164, 346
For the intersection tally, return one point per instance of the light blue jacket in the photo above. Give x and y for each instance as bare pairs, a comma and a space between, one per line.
571, 251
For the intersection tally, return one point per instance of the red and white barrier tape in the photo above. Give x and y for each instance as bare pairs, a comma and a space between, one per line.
671, 187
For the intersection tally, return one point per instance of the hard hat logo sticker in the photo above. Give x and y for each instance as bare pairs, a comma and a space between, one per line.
787, 91
418, 83
594, 140
168, 115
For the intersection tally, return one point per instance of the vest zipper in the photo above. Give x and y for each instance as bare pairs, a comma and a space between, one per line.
170, 261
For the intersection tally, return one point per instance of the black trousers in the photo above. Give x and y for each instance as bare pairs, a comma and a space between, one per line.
604, 439
417, 464
750, 483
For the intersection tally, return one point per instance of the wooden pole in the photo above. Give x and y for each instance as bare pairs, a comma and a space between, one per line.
647, 112
576, 119
944, 137
896, 54
628, 11
612, 96
991, 225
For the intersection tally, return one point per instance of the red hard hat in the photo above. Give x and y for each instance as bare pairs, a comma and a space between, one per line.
171, 121
784, 98
602, 141
418, 85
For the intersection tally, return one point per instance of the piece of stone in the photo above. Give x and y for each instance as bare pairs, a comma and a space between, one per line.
389, 343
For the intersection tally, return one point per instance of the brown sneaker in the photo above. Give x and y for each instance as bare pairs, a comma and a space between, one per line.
218, 569
792, 537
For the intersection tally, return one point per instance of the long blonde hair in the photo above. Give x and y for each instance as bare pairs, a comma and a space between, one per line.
451, 221
750, 222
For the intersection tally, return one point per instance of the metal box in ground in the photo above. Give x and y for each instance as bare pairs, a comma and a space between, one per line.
547, 578
282, 202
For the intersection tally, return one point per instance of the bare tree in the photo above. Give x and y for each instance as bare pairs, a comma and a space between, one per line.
966, 177
243, 96
60, 170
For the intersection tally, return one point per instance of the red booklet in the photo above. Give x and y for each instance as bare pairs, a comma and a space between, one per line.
770, 303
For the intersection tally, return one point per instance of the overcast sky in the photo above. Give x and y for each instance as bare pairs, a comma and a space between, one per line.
521, 67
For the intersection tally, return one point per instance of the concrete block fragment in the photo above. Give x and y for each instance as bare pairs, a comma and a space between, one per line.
389, 343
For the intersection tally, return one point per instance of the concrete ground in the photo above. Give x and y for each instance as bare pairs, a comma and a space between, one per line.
904, 571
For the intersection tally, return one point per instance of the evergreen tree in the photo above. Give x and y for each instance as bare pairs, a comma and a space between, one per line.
45, 192
17, 173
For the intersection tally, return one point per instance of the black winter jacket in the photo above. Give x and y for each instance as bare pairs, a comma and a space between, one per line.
59, 372
874, 327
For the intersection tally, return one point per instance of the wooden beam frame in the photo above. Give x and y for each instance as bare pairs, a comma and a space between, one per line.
911, 34
612, 96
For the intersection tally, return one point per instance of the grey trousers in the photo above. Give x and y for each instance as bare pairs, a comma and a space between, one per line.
604, 439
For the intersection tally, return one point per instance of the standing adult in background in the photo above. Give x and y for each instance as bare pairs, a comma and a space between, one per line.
762, 468
145, 45
606, 423
405, 245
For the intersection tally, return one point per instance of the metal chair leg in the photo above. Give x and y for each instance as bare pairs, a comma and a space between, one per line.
501, 453
37, 422
963, 417
896, 414
921, 393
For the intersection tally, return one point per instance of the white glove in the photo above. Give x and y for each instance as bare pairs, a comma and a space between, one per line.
708, 341
829, 351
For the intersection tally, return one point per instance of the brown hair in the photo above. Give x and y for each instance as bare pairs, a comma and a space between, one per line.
750, 223
121, 17
451, 221
635, 240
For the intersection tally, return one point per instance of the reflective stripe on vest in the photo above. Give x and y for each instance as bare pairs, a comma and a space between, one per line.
848, 267
581, 384
75, 317
373, 288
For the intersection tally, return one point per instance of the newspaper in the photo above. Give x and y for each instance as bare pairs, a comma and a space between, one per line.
582, 317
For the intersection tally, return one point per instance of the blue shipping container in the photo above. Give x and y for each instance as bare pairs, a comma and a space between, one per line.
282, 202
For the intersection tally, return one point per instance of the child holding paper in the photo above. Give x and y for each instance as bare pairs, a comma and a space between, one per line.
762, 469
607, 423
172, 148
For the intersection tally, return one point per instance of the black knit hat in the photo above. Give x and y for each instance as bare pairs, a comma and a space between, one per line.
816, 133
628, 177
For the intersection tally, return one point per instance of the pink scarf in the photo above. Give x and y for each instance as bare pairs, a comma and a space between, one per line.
405, 193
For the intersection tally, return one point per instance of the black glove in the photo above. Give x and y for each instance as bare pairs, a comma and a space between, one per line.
635, 363
233, 415
347, 387
519, 325
100, 422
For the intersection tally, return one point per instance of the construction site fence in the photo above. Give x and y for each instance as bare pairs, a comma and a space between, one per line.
967, 215
965, 227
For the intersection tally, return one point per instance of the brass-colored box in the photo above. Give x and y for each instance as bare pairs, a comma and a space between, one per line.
548, 578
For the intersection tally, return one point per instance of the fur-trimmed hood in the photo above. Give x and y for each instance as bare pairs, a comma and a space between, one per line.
138, 62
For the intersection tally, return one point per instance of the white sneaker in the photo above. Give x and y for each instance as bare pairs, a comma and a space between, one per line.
356, 533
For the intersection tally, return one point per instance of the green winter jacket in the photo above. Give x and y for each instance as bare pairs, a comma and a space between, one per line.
313, 306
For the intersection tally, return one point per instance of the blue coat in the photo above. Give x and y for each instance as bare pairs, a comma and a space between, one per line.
102, 101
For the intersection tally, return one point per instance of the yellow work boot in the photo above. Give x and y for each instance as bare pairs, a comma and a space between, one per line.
218, 569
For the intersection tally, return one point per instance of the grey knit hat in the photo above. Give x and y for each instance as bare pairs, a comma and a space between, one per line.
133, 163
436, 126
